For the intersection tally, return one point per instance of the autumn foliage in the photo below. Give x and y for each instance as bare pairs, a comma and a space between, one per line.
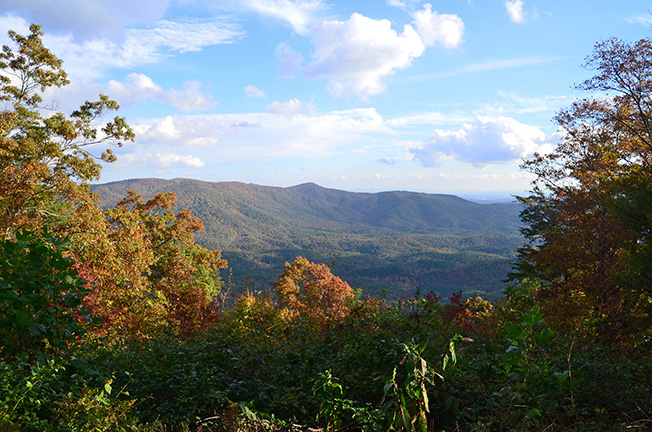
588, 215
146, 271
143, 271
310, 290
109, 318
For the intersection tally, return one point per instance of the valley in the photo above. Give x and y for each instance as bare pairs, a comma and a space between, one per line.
386, 243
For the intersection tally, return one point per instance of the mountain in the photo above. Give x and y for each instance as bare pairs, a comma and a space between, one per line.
386, 242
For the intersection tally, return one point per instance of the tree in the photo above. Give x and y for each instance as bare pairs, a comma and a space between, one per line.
143, 270
45, 161
185, 274
146, 271
588, 215
311, 290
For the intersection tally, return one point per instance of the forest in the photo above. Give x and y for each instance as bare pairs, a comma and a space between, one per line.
385, 243
114, 319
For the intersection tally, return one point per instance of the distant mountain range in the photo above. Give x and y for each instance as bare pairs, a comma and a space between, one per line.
385, 243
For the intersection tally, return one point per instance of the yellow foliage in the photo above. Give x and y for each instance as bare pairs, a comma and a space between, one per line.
311, 291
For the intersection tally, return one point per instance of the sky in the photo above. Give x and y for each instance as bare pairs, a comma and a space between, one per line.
443, 96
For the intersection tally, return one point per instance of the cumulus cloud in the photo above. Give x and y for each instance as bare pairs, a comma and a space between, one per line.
446, 30
161, 160
488, 141
263, 134
290, 108
253, 91
289, 61
181, 131
357, 54
139, 87
163, 130
190, 97
515, 10
300, 14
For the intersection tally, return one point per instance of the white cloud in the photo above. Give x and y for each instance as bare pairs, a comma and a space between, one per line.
516, 104
488, 141
515, 10
289, 61
190, 98
358, 54
645, 20
403, 4
164, 131
258, 135
385, 161
69, 98
290, 108
136, 88
184, 36
396, 3
491, 65
202, 141
253, 91
300, 14
161, 160
505, 64
86, 19
430, 118
446, 30
90, 58
139, 87
12, 22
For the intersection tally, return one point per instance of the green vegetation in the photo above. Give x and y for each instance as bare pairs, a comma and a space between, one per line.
389, 242
112, 319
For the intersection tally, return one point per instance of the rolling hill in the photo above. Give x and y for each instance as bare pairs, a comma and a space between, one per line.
384, 243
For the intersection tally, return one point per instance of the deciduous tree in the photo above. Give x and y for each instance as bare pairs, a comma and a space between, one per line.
588, 216
45, 155
311, 290
143, 270
146, 270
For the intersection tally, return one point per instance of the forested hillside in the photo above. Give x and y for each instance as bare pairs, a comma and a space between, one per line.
389, 242
113, 319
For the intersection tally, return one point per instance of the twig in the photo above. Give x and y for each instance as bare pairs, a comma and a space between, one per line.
570, 377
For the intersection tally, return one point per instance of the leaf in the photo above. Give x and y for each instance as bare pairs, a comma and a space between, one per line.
405, 418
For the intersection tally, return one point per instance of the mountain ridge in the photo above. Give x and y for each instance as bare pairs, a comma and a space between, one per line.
371, 236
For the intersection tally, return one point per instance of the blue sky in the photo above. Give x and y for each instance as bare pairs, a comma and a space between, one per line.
446, 96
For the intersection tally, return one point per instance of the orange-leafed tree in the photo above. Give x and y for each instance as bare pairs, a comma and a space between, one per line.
312, 291
143, 270
147, 272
